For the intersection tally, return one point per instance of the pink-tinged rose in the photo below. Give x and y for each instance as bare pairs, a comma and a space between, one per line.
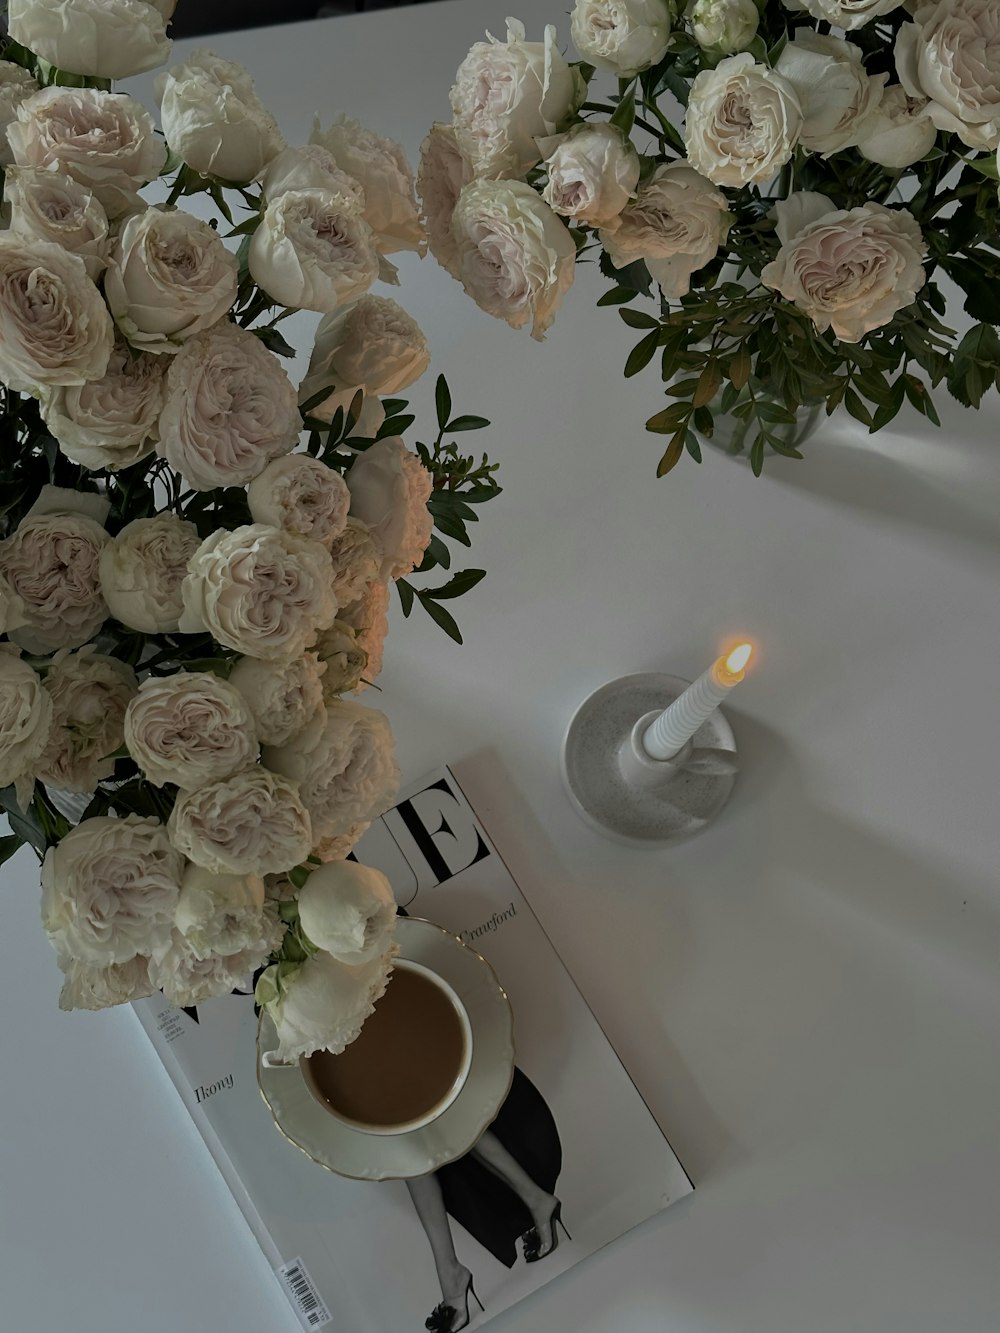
103, 39
229, 409
506, 96
213, 119
253, 823
143, 569
54, 328
593, 173
300, 494
950, 54
170, 277
106, 141
380, 167
109, 890
189, 729
111, 422
676, 224
742, 122
443, 173
389, 489
516, 258
50, 206
261, 591
852, 269
89, 693
52, 563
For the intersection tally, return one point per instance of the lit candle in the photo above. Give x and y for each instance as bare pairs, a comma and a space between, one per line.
668, 733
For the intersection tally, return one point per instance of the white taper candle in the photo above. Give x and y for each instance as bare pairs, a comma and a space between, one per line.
668, 733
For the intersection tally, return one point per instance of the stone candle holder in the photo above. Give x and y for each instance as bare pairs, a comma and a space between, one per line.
620, 790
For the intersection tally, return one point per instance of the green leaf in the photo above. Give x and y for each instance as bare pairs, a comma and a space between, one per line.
457, 585
757, 454
405, 591
667, 421
274, 342
708, 384
467, 423
740, 367
442, 618
641, 354
442, 402
8, 846
617, 296
638, 319
624, 116
672, 454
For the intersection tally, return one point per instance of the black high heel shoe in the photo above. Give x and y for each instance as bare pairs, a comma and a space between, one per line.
442, 1319
532, 1240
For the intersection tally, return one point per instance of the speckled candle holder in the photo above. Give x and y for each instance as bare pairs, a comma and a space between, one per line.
620, 790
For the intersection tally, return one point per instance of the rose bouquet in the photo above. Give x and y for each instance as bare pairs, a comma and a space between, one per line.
186, 594
791, 179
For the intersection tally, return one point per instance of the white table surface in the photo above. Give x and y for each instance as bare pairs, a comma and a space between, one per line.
806, 995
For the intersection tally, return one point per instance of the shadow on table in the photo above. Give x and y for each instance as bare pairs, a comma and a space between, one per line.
532, 858
865, 479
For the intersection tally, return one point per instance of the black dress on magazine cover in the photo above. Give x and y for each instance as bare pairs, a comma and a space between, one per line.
501, 1191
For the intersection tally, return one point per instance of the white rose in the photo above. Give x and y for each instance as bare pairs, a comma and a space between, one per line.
109, 889
726, 26
187, 979
357, 558
345, 769
337, 848
53, 207
507, 95
338, 650
301, 495
142, 571
309, 168
230, 408
516, 259
52, 563
261, 591
251, 823
676, 225
951, 54
25, 719
313, 250
103, 39
190, 729
12, 614
348, 910
89, 693
389, 489
624, 36
380, 167
214, 120
369, 616
847, 14
170, 277
593, 173
110, 422
283, 697
851, 270
15, 85
106, 141
900, 133
224, 914
93, 986
372, 344
323, 1004
835, 94
742, 123
443, 173
54, 327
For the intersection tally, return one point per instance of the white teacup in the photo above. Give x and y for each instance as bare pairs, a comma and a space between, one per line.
411, 1060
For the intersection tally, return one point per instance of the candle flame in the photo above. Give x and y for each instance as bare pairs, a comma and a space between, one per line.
738, 658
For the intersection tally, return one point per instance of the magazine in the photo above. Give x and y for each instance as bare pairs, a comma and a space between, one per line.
573, 1134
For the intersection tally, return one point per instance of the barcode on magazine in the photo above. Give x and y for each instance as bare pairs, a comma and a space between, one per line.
303, 1295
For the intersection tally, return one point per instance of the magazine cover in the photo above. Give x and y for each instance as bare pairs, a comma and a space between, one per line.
572, 1159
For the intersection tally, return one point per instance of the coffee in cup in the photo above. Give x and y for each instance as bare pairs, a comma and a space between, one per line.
409, 1063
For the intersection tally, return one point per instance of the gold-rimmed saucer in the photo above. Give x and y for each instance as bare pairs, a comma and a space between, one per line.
351, 1152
